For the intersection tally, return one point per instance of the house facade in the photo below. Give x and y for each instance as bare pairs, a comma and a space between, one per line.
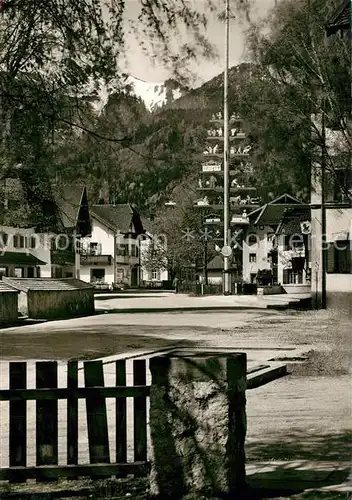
154, 264
270, 245
27, 251
331, 209
110, 255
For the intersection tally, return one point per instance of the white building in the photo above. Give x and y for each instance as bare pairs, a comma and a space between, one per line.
23, 253
110, 255
268, 248
27, 253
332, 279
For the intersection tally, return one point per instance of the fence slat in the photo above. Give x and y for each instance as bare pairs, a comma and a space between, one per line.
140, 412
96, 414
46, 416
80, 392
18, 420
121, 414
72, 414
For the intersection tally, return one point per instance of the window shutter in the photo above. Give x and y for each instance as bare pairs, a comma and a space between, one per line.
330, 258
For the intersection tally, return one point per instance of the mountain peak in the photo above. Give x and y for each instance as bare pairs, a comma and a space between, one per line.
155, 95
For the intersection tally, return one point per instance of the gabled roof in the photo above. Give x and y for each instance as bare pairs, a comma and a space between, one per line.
46, 284
271, 213
292, 218
216, 263
122, 217
72, 206
340, 19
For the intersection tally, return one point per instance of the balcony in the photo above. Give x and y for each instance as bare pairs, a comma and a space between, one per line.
92, 259
127, 260
62, 257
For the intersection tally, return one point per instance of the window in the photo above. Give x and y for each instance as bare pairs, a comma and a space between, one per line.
119, 275
134, 251
155, 275
18, 272
252, 257
3, 272
293, 241
32, 242
252, 239
253, 277
339, 257
97, 275
18, 241
30, 272
292, 277
95, 248
122, 250
342, 185
4, 237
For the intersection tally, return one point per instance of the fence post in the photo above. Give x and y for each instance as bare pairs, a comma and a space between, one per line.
47, 416
96, 414
121, 415
72, 414
140, 412
18, 420
198, 424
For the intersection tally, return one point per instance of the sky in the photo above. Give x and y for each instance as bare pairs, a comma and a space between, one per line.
142, 67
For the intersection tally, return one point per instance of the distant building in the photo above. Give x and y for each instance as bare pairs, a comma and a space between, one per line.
271, 242
27, 251
48, 298
153, 250
110, 255
215, 269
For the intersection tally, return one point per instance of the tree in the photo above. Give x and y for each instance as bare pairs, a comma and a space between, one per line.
54, 55
298, 74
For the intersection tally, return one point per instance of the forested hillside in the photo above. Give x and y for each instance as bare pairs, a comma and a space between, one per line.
149, 154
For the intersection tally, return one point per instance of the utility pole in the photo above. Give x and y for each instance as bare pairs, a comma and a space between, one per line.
227, 276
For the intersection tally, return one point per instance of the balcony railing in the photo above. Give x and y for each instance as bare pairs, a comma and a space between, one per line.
90, 259
63, 257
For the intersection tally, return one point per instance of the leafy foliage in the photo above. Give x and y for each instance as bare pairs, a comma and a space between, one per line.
300, 75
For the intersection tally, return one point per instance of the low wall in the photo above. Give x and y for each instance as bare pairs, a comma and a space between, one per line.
297, 288
8, 308
48, 304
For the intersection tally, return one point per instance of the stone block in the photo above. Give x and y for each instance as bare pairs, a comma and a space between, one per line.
198, 424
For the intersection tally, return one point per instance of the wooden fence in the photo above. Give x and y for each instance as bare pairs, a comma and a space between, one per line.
46, 396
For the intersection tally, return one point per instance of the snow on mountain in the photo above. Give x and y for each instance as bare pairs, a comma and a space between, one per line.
154, 95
